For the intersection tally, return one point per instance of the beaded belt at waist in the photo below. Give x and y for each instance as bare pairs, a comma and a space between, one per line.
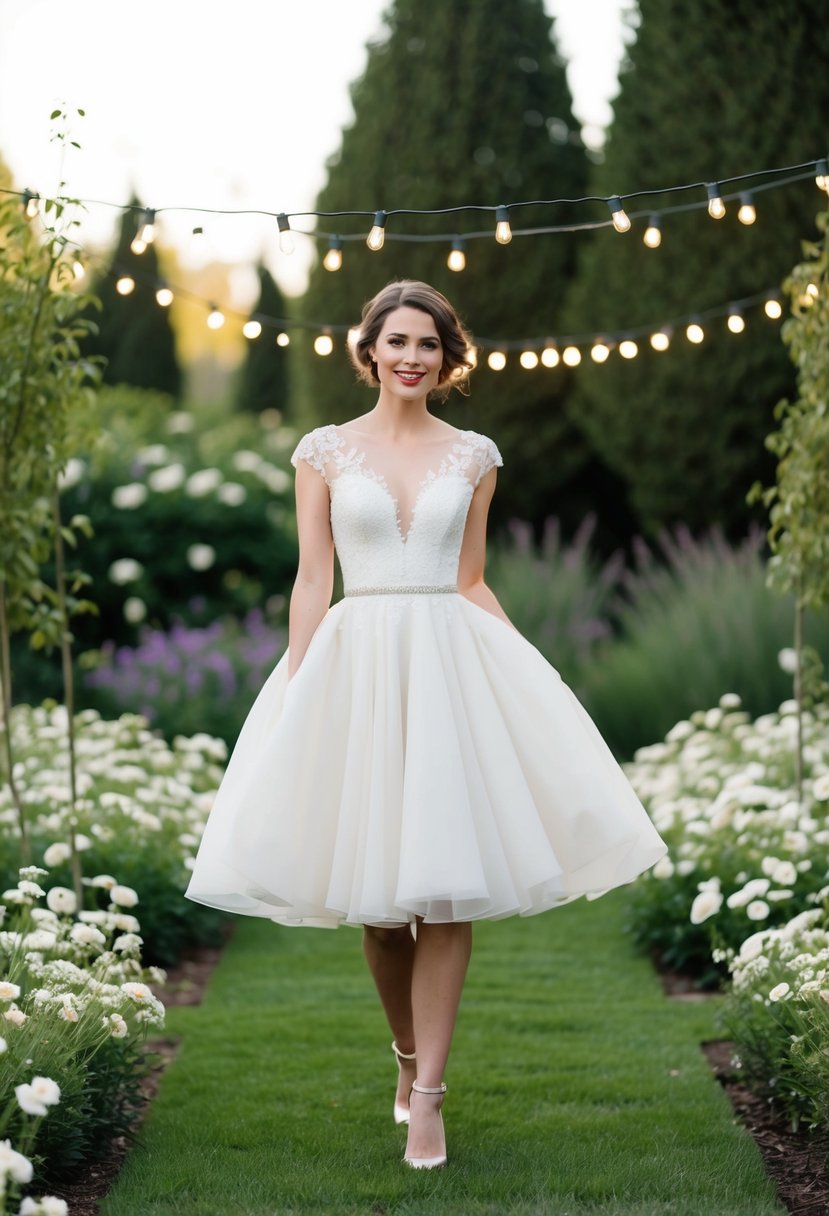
421, 589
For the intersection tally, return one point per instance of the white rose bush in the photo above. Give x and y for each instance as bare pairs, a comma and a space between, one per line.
76, 1009
742, 900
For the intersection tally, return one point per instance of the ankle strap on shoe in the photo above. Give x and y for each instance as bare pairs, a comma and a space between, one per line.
401, 1054
426, 1089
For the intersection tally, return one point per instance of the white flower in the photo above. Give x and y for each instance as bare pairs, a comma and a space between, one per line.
127, 941
16, 1016
30, 888
48, 1205
779, 991
787, 658
14, 1163
71, 474
117, 1026
8, 991
246, 461
61, 899
154, 453
167, 478
45, 1090
784, 873
125, 570
135, 610
139, 992
56, 854
82, 842
125, 897
275, 479
752, 889
232, 494
130, 496
706, 904
730, 700
103, 880
87, 935
758, 909
35, 1099
180, 423
69, 1014
664, 868
201, 557
203, 482
820, 788
40, 939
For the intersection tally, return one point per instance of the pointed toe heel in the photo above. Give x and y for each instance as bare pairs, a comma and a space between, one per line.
401, 1113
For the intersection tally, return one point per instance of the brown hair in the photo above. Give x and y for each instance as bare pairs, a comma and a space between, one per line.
454, 338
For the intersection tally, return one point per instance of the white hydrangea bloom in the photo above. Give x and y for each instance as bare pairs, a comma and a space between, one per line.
129, 497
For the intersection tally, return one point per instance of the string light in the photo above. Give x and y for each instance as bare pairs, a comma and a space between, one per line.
125, 285
748, 212
377, 237
146, 232
197, 239
528, 359
822, 174
251, 329
457, 258
333, 259
216, 318
30, 204
660, 340
773, 308
164, 297
694, 332
503, 232
653, 232
324, 344
283, 339
736, 321
571, 356
286, 238
716, 206
550, 356
628, 349
621, 219
496, 360
599, 352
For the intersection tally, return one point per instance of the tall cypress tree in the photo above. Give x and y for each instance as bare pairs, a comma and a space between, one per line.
710, 90
263, 378
134, 332
469, 106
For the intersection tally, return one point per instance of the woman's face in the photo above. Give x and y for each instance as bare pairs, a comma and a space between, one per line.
408, 353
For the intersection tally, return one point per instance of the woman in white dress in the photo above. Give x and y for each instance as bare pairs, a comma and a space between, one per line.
413, 763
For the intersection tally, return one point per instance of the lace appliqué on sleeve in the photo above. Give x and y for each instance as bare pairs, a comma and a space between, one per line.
316, 448
483, 453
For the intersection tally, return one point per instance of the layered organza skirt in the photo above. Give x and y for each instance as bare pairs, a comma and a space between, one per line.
425, 760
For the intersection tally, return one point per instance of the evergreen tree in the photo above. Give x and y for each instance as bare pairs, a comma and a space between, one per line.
134, 332
469, 106
709, 91
263, 378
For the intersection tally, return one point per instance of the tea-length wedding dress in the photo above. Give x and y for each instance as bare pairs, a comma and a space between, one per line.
425, 759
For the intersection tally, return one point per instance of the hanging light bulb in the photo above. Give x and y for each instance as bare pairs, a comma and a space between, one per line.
550, 356
822, 174
716, 206
457, 258
30, 204
286, 237
377, 237
146, 232
628, 349
283, 339
215, 318
164, 296
138, 246
496, 360
660, 340
736, 321
694, 332
620, 217
251, 329
333, 259
323, 344
571, 356
773, 308
748, 212
125, 285
503, 232
78, 269
599, 352
528, 359
653, 232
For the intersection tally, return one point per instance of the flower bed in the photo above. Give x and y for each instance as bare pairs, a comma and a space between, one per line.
140, 812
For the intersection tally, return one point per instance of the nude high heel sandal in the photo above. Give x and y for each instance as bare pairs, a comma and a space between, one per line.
428, 1163
401, 1113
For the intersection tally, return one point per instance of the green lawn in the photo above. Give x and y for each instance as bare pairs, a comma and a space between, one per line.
575, 1086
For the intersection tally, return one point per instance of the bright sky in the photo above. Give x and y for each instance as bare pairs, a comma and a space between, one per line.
194, 103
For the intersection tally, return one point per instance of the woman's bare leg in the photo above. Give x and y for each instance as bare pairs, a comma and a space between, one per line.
390, 957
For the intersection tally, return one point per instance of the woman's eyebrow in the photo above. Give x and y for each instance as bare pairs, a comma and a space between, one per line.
424, 337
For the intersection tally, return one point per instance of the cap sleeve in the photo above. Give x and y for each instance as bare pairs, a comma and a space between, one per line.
315, 448
487, 456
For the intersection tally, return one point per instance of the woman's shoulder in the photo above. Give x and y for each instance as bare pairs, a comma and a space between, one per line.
481, 449
315, 446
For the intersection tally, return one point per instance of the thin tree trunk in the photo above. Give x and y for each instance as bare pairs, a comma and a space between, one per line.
68, 689
6, 688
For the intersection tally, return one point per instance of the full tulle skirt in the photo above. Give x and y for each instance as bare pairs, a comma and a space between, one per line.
424, 761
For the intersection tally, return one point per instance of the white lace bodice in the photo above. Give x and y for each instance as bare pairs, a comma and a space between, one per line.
402, 527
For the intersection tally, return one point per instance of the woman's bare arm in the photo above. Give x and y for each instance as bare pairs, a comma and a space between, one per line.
473, 551
314, 583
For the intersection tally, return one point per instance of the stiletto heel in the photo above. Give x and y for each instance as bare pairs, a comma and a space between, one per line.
401, 1113
428, 1163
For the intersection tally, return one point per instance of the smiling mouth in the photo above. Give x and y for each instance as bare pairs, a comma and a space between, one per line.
410, 377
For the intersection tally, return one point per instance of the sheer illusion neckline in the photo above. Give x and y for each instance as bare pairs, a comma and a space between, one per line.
442, 463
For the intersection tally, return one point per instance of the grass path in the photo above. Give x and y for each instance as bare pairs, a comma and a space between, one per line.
575, 1087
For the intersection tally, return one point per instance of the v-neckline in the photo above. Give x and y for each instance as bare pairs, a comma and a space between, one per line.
366, 470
